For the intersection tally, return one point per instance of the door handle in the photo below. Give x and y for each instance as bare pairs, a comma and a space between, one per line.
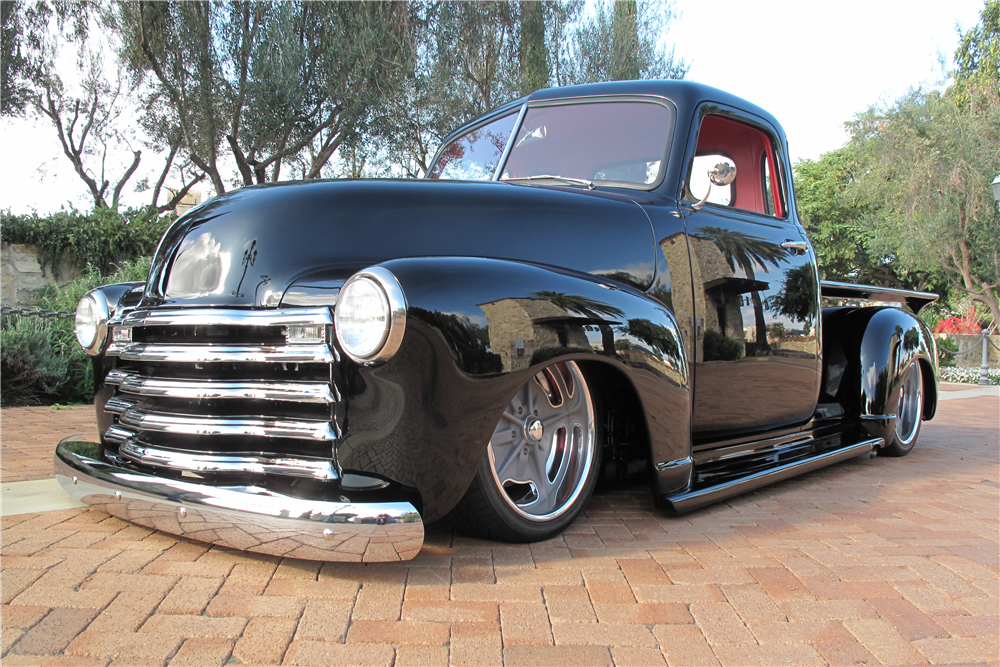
795, 247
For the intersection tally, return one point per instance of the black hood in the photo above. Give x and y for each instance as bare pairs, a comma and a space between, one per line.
245, 248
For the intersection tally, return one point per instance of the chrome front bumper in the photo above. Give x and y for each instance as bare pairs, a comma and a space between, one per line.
240, 517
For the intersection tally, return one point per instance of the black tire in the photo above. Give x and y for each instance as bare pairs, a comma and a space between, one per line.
909, 412
542, 462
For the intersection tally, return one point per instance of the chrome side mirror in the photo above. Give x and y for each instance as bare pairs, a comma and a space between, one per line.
721, 174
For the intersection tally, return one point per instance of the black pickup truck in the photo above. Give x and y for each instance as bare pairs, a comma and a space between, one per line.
592, 283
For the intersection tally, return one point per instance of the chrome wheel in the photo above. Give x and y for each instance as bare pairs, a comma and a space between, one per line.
543, 449
909, 412
911, 405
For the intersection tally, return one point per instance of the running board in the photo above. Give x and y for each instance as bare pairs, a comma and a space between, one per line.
685, 502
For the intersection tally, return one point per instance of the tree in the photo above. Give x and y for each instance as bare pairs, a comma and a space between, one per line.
836, 222
263, 84
977, 59
87, 117
533, 55
621, 41
929, 162
744, 250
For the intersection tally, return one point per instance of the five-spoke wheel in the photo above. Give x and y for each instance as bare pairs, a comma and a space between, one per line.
541, 463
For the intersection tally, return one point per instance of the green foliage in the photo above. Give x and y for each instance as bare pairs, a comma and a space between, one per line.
620, 40
32, 366
928, 163
720, 347
103, 239
977, 59
946, 351
270, 85
56, 369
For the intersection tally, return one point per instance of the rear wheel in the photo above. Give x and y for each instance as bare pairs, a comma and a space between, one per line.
541, 464
909, 412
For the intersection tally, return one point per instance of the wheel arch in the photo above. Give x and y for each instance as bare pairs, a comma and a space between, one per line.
449, 382
866, 351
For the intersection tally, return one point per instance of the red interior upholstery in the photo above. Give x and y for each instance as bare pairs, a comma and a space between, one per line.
745, 146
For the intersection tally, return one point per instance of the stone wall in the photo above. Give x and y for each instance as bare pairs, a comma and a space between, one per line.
973, 342
21, 275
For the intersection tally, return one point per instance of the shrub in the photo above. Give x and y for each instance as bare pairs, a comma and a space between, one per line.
946, 351
103, 238
719, 347
966, 324
32, 366
75, 378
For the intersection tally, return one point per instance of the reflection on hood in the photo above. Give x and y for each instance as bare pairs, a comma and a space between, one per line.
200, 268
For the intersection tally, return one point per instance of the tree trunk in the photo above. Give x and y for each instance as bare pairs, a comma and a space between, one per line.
625, 41
534, 67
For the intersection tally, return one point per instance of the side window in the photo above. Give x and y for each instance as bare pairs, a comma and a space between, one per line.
757, 186
474, 156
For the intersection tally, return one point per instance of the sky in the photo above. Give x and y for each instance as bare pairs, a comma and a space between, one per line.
812, 64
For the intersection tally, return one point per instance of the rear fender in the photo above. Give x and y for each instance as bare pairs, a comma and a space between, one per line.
476, 330
866, 351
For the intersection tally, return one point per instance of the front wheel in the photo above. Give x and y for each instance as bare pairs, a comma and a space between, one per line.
909, 412
541, 464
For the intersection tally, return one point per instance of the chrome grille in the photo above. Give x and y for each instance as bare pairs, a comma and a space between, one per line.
189, 399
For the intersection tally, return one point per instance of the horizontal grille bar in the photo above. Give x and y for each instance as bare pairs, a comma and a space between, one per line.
300, 392
228, 316
212, 463
192, 354
145, 420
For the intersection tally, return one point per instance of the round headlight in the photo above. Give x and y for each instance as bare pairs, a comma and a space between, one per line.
370, 316
92, 321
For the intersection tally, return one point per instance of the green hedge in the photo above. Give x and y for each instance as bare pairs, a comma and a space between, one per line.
41, 360
102, 239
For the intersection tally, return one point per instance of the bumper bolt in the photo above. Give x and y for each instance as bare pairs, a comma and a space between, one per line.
182, 512
75, 480
118, 495
327, 533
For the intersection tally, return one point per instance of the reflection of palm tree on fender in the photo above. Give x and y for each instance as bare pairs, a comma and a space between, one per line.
587, 307
746, 250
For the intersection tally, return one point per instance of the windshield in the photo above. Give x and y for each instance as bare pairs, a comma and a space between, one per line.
620, 143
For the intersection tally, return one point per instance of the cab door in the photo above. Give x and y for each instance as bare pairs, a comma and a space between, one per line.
757, 359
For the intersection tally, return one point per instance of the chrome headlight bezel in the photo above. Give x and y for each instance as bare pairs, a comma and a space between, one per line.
92, 335
394, 313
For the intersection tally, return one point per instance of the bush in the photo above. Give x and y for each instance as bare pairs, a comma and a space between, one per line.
32, 367
102, 238
946, 351
60, 350
720, 347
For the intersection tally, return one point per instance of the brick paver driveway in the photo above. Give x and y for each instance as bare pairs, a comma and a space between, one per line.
885, 561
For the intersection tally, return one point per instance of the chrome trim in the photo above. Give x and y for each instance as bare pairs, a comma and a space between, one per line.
300, 392
510, 142
117, 405
193, 354
118, 434
397, 315
212, 463
685, 502
227, 316
158, 422
104, 310
249, 518
116, 376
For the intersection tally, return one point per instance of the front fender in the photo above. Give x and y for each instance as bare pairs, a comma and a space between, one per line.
876, 346
476, 330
